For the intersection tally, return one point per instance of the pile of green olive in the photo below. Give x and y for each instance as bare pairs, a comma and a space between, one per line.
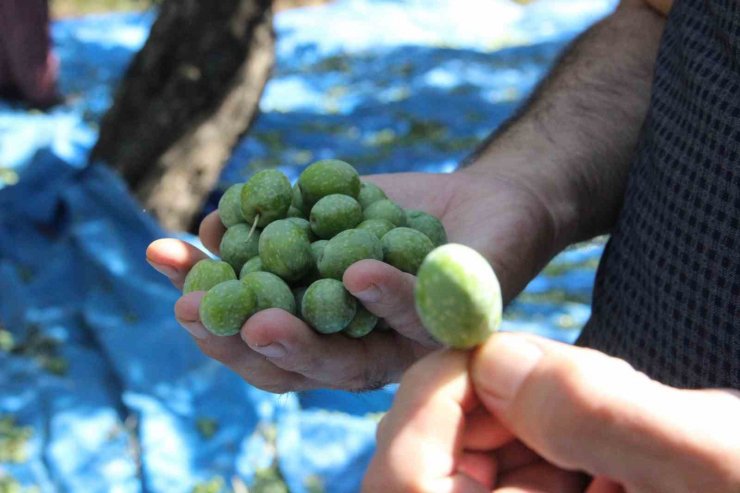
288, 247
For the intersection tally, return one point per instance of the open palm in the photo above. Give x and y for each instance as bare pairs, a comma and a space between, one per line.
278, 352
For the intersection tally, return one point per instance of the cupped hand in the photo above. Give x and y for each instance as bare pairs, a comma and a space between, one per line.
276, 351
525, 414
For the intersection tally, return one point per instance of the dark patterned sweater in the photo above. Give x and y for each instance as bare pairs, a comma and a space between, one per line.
667, 293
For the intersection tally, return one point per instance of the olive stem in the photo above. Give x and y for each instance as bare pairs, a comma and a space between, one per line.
254, 226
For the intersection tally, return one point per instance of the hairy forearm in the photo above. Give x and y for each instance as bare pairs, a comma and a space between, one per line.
572, 143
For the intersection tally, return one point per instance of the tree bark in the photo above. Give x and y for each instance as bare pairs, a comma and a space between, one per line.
186, 99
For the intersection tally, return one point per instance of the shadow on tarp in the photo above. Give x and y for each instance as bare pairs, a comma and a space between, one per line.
425, 106
425, 111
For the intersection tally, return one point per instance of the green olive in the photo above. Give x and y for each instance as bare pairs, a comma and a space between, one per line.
285, 250
205, 274
226, 307
266, 196
405, 248
327, 306
328, 177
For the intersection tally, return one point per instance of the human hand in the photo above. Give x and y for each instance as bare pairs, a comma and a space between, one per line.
278, 352
524, 414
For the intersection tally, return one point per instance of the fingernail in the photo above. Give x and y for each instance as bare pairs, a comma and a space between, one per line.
196, 329
163, 269
370, 295
273, 350
502, 365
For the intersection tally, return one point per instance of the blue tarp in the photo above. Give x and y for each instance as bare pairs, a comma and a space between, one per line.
117, 397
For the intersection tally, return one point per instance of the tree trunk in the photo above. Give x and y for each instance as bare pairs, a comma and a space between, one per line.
186, 99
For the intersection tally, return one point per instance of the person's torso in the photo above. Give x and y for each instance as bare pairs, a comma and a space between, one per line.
667, 294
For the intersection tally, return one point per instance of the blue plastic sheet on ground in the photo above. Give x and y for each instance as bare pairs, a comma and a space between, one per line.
116, 397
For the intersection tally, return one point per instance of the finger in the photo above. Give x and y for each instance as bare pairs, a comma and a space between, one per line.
514, 455
211, 231
232, 352
336, 360
253, 367
483, 431
604, 485
548, 393
457, 483
186, 314
481, 467
540, 477
420, 440
173, 258
389, 294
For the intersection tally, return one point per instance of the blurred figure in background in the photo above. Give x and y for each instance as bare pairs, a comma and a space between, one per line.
28, 69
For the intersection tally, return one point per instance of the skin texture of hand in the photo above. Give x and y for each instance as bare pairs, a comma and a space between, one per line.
525, 414
278, 352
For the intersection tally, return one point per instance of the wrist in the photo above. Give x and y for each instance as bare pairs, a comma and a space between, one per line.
554, 200
520, 234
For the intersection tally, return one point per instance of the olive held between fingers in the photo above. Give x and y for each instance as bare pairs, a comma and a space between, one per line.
369, 193
230, 206
285, 250
457, 296
405, 248
333, 214
386, 209
266, 196
239, 244
378, 227
327, 177
427, 224
226, 306
271, 291
254, 264
345, 249
362, 324
205, 274
327, 306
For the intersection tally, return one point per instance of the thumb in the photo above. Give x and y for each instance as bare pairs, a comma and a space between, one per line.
583, 410
388, 293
